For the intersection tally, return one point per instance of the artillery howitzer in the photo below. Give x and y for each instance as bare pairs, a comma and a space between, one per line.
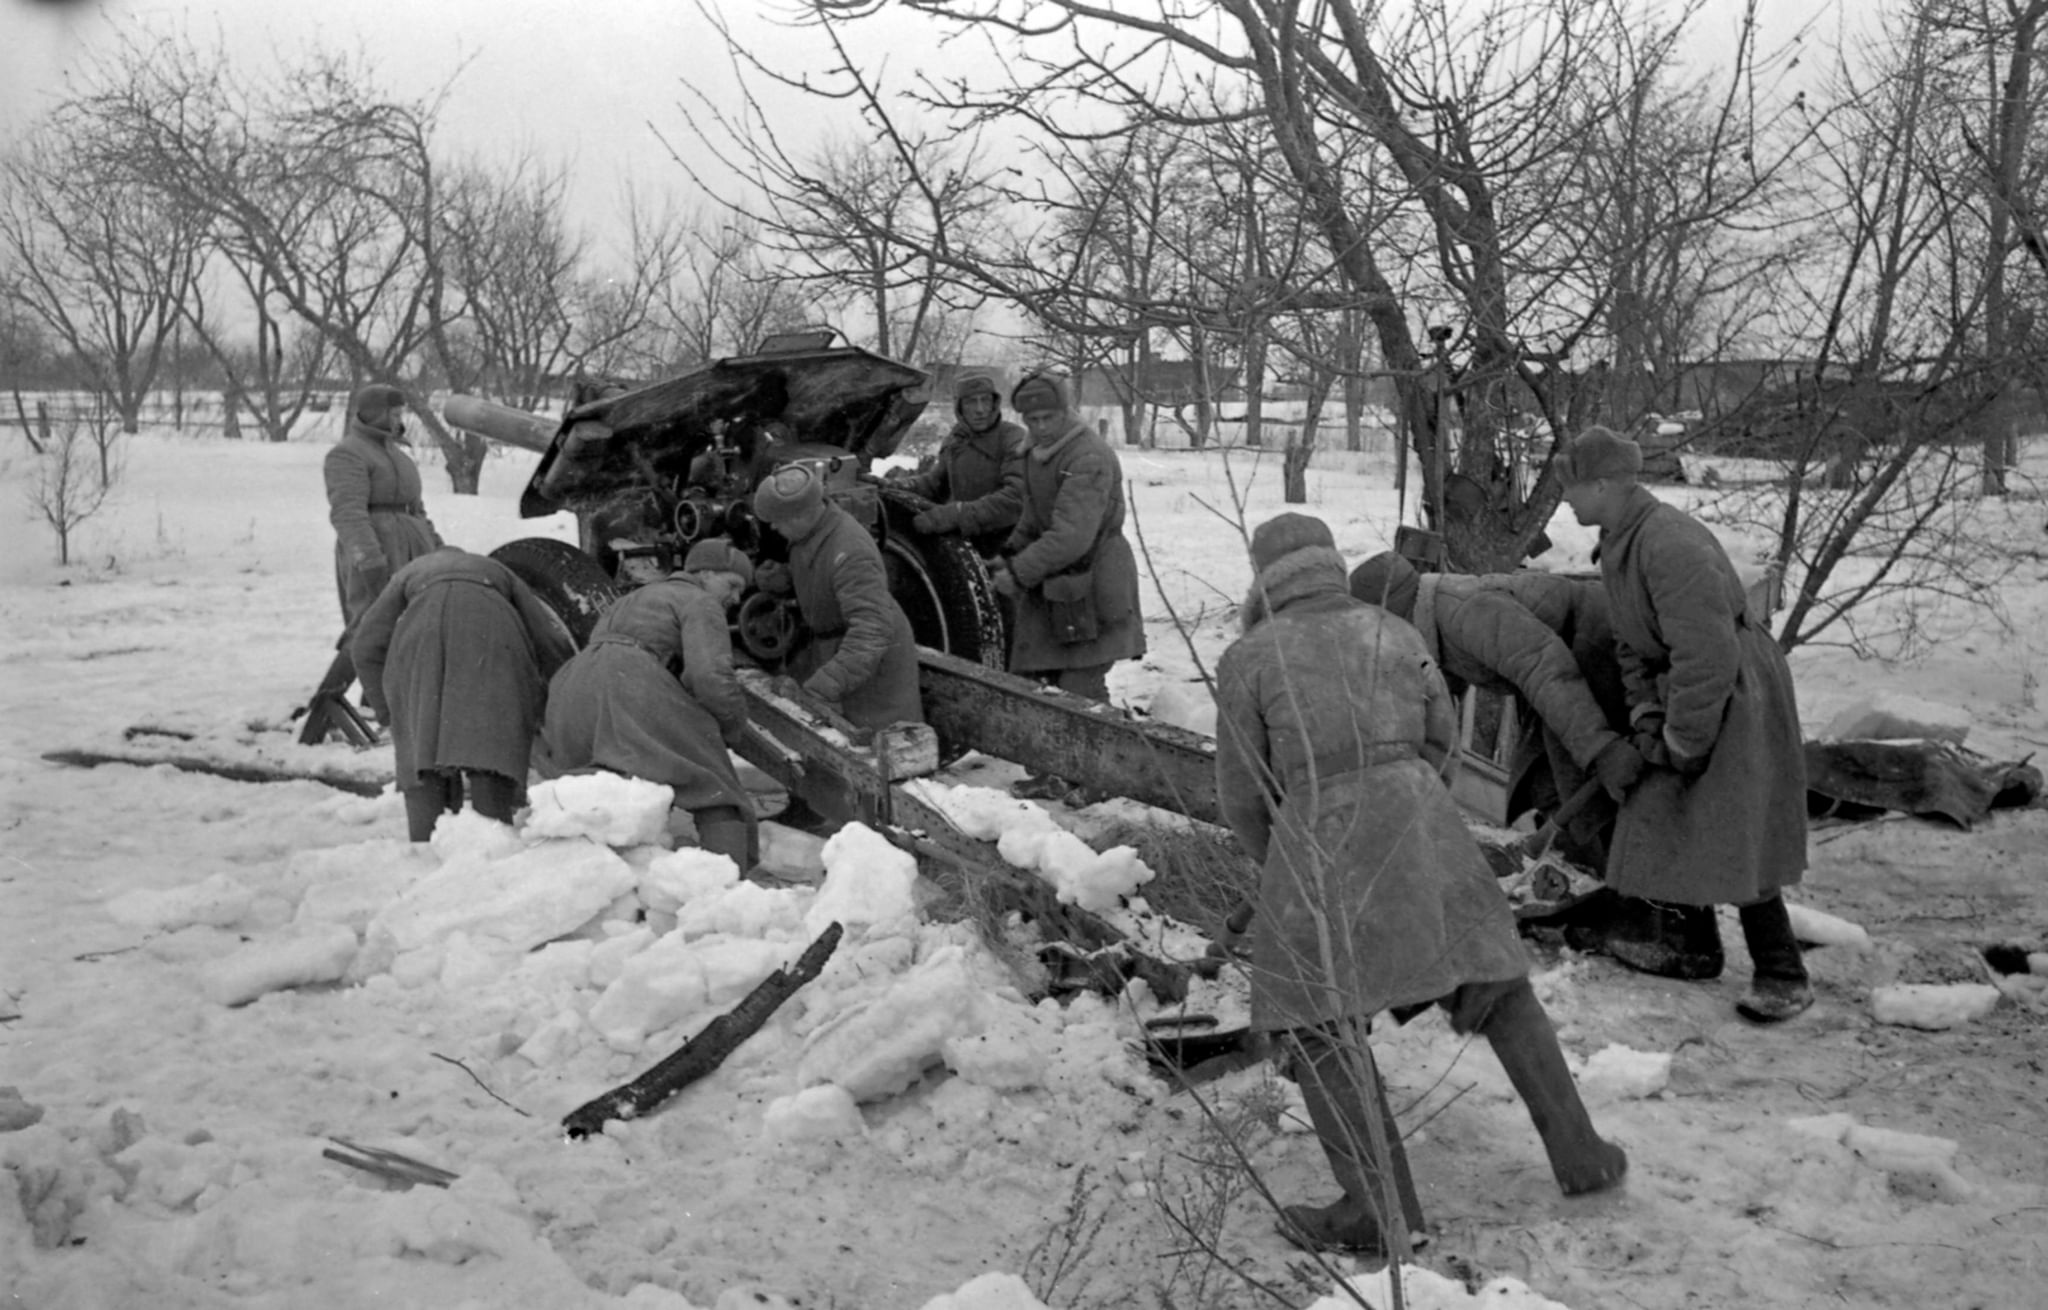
678, 460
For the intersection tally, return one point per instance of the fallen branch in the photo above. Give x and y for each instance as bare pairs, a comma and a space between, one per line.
707, 1050
84, 759
389, 1165
449, 1059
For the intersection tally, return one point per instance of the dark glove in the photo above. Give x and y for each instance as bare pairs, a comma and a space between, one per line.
939, 518
1690, 766
1649, 746
1620, 766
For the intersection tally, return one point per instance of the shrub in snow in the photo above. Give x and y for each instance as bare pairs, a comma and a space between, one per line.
1932, 1006
320, 953
601, 806
219, 901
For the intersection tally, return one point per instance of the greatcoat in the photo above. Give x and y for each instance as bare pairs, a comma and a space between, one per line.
977, 478
455, 656
380, 521
1735, 833
653, 696
1333, 728
1073, 522
862, 654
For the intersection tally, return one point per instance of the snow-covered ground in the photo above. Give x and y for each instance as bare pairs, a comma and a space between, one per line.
908, 1130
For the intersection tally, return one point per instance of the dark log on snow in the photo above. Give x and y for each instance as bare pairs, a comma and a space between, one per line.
707, 1050
1857, 779
233, 772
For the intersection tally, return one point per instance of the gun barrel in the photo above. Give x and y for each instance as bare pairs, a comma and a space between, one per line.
514, 427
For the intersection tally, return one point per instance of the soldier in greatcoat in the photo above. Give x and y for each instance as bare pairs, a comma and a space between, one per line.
373, 499
976, 480
653, 696
1719, 816
1069, 566
1333, 728
454, 657
861, 656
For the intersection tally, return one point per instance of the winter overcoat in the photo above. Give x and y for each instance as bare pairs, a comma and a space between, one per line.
978, 480
1073, 524
455, 656
862, 654
1333, 726
653, 696
1545, 769
380, 522
1737, 831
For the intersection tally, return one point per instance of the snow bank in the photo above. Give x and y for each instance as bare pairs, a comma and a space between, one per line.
1890, 715
219, 902
321, 953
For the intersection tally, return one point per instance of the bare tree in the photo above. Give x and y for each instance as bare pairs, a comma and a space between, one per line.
94, 256
317, 177
76, 468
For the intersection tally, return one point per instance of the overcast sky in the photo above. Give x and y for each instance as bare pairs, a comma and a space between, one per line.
579, 83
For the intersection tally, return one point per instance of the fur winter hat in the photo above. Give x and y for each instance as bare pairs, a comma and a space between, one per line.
1387, 580
379, 406
788, 493
1040, 391
1284, 534
717, 555
1601, 453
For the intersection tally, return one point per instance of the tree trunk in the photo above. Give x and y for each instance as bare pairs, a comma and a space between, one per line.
1294, 469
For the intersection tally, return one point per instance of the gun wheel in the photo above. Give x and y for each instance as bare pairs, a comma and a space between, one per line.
567, 581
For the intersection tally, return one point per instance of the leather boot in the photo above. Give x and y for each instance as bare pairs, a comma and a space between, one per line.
493, 795
1779, 987
1670, 941
1520, 1033
1338, 1107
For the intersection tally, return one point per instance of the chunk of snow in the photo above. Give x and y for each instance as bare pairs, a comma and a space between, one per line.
1820, 929
867, 882
219, 901
791, 853
675, 980
1827, 1127
1921, 1166
675, 878
983, 813
601, 806
1932, 1006
1626, 1074
1890, 715
528, 898
471, 833
816, 1114
318, 954
991, 1291
1425, 1289
2037, 962
1010, 1053
744, 910
882, 1046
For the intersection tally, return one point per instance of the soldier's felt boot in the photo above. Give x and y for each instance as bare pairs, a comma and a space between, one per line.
725, 830
1779, 987
433, 796
1339, 1106
493, 795
1521, 1035
1670, 941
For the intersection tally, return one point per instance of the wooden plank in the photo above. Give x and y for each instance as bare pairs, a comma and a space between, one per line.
1094, 745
